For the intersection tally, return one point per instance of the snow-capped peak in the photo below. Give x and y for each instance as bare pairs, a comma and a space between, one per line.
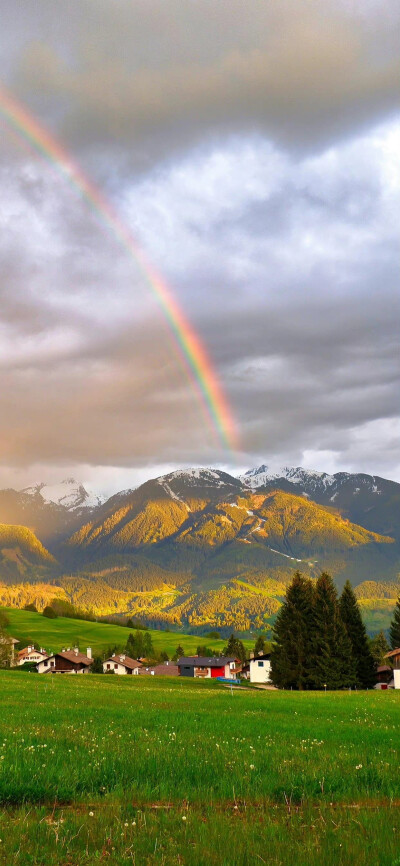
296, 475
68, 493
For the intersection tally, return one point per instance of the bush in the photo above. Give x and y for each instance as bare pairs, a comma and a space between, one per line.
49, 612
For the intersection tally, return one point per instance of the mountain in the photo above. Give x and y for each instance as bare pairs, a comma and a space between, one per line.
199, 548
51, 511
22, 555
68, 493
369, 500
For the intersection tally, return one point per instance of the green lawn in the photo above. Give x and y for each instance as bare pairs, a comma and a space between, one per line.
54, 634
166, 771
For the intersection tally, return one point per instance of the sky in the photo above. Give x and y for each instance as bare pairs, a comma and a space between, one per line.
252, 150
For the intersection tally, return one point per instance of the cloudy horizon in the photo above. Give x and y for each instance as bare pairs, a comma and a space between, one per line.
252, 150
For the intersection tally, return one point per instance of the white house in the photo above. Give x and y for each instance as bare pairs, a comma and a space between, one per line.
260, 669
30, 654
121, 664
66, 662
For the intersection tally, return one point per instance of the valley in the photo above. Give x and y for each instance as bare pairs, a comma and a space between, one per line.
200, 549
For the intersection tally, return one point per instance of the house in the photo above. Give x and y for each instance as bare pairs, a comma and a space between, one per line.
121, 664
384, 675
394, 660
30, 654
66, 662
258, 668
166, 669
209, 668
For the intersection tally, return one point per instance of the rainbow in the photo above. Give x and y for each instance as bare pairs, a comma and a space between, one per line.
191, 351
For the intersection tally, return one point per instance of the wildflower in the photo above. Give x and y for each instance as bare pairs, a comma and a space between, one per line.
359, 767
133, 823
91, 814
252, 767
183, 817
126, 824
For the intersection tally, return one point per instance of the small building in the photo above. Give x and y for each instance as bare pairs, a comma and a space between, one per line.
384, 675
121, 664
209, 668
166, 669
394, 660
66, 662
30, 654
260, 668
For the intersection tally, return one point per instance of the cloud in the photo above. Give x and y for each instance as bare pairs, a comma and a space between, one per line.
153, 79
257, 165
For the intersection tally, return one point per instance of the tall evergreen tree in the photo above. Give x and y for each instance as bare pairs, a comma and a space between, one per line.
356, 631
332, 660
379, 647
148, 649
235, 648
290, 655
179, 652
259, 645
394, 631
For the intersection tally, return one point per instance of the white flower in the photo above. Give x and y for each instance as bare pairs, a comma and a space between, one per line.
183, 817
91, 814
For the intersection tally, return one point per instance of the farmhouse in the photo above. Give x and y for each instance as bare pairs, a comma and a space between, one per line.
30, 654
394, 661
121, 664
258, 668
209, 668
167, 669
66, 662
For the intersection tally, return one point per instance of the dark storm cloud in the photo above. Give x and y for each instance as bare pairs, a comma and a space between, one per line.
253, 151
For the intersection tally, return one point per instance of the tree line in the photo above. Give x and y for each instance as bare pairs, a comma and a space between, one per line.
320, 640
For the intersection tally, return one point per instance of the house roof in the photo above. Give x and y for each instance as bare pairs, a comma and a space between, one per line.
382, 668
72, 656
28, 651
205, 662
167, 670
394, 652
125, 661
261, 657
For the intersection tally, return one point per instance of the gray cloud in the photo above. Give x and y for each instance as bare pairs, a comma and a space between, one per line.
257, 164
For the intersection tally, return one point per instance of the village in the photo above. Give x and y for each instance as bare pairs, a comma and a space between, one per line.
224, 669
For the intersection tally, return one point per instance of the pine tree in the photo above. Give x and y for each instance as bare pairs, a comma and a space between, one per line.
235, 648
148, 649
394, 631
356, 631
179, 652
259, 645
291, 650
332, 663
379, 647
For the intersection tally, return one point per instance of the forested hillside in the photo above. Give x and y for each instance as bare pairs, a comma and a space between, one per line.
200, 549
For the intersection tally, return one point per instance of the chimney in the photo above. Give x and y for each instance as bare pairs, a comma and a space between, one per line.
121, 657
76, 650
251, 654
89, 652
30, 648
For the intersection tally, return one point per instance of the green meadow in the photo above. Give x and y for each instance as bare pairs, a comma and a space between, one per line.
54, 634
163, 771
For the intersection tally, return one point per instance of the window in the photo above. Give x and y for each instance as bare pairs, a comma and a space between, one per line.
108, 667
115, 666
45, 662
260, 664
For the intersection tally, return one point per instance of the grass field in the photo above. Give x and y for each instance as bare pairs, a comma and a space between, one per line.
54, 634
135, 770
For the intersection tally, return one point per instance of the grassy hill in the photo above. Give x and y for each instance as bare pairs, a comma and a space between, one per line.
54, 634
